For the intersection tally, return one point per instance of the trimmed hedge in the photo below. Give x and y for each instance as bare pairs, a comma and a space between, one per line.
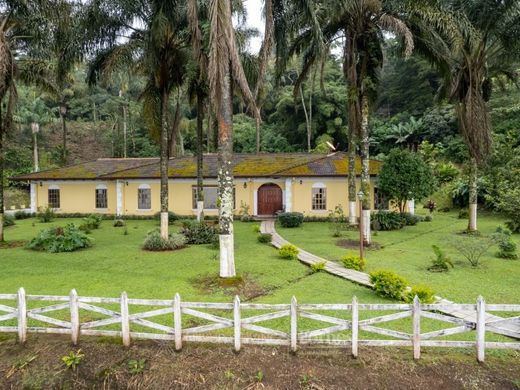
388, 284
290, 220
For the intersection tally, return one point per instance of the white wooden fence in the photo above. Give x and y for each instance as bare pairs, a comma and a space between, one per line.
246, 329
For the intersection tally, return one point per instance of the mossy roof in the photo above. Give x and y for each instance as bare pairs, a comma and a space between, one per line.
244, 165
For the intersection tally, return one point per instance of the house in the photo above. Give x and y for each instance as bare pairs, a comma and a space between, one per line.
265, 183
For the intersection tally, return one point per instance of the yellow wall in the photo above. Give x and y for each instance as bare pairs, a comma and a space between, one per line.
79, 196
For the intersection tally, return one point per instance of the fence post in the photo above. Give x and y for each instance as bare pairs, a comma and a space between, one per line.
355, 327
22, 316
74, 316
125, 323
416, 319
177, 321
236, 322
481, 329
294, 324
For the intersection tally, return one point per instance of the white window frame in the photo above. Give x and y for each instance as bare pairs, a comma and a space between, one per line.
101, 187
144, 187
319, 186
54, 187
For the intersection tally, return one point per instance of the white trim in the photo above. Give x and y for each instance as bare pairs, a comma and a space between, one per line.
119, 198
144, 186
101, 187
288, 195
53, 187
319, 184
255, 202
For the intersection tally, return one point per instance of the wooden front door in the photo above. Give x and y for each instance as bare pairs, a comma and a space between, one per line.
269, 199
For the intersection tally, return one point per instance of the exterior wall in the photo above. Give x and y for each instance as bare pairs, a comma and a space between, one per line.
79, 196
76, 196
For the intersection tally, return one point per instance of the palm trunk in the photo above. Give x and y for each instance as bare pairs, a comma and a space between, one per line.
473, 196
209, 130
200, 157
365, 168
63, 113
1, 181
164, 165
257, 136
352, 218
124, 131
225, 178
307, 120
35, 127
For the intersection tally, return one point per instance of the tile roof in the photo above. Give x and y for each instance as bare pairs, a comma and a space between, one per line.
244, 165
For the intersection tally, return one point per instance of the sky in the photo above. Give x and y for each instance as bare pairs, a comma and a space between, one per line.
256, 20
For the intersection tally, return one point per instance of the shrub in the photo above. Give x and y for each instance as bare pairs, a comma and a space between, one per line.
463, 214
317, 267
73, 360
441, 262
354, 262
199, 232
256, 228
8, 220
388, 284
22, 215
424, 293
386, 220
60, 239
428, 218
472, 247
244, 213
172, 217
514, 226
119, 223
290, 220
92, 222
154, 242
410, 219
265, 238
288, 251
46, 215
506, 246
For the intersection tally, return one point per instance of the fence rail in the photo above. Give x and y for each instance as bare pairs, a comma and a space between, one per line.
242, 329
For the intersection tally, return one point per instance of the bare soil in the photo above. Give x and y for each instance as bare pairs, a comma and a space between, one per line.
354, 244
105, 365
12, 244
244, 285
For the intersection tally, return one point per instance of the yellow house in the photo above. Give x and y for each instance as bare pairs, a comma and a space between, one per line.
312, 184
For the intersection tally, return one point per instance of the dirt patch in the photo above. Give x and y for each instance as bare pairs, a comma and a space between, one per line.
12, 244
244, 286
155, 365
354, 244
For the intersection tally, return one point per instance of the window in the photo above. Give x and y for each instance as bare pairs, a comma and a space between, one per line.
144, 197
54, 197
380, 200
319, 196
210, 198
101, 197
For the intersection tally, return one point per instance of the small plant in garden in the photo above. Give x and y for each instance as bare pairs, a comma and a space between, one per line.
73, 359
386, 220
259, 376
265, 238
506, 245
354, 262
338, 221
472, 247
118, 222
388, 284
136, 366
125, 231
8, 220
288, 251
199, 232
441, 262
154, 242
428, 218
317, 267
256, 228
290, 220
22, 215
431, 206
60, 239
424, 293
46, 215
245, 215
410, 219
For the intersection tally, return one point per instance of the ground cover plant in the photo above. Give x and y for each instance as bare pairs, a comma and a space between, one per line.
155, 243
60, 239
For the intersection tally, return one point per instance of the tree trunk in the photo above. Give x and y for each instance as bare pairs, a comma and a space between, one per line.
35, 127
209, 130
365, 168
1, 181
200, 157
63, 113
473, 196
225, 178
307, 120
164, 165
124, 130
352, 218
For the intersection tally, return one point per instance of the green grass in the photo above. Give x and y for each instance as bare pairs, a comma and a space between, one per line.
409, 252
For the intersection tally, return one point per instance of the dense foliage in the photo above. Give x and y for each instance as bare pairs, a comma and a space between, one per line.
199, 232
154, 242
388, 284
290, 220
60, 239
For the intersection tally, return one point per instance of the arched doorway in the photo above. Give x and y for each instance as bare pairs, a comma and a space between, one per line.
269, 199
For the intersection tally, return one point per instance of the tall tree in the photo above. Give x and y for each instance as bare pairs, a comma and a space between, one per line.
225, 66
157, 47
487, 47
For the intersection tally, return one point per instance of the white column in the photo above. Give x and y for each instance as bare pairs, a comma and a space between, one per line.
473, 217
255, 199
119, 198
34, 205
352, 205
288, 195
411, 206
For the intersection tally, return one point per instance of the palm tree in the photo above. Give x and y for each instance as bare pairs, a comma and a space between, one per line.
489, 47
157, 49
225, 66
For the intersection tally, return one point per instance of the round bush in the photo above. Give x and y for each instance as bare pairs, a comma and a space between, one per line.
289, 252
154, 242
424, 293
199, 232
388, 284
60, 239
8, 220
290, 220
119, 223
354, 262
265, 238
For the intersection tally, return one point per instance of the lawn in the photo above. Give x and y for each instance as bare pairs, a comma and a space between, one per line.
409, 252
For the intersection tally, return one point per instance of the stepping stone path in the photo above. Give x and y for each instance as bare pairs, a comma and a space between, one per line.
510, 328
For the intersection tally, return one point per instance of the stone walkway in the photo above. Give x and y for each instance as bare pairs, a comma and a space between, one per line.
511, 328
